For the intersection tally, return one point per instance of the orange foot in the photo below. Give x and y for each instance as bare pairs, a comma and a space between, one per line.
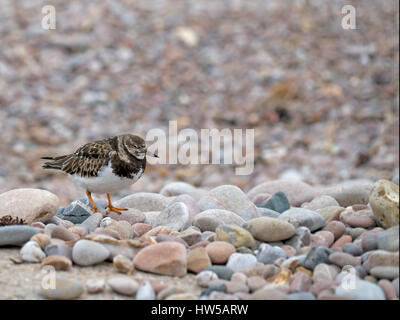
110, 207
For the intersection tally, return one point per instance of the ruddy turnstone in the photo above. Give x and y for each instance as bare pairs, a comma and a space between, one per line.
104, 166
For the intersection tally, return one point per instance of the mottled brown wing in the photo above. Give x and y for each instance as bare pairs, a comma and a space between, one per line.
89, 159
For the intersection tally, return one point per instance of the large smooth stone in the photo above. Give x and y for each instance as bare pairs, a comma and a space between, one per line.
178, 188
297, 192
303, 217
16, 235
28, 205
88, 253
144, 201
384, 200
270, 229
231, 198
175, 216
209, 220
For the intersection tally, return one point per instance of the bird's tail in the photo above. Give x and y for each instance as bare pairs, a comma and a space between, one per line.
56, 163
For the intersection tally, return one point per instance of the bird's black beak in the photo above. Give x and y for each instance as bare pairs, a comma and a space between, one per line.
151, 154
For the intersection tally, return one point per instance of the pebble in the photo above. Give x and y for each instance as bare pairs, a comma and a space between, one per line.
209, 220
167, 237
384, 201
355, 232
330, 213
381, 258
362, 290
395, 283
231, 198
388, 289
269, 294
324, 272
81, 232
131, 215
337, 246
144, 201
219, 288
180, 188
205, 277
123, 285
388, 240
140, 229
241, 261
320, 202
268, 254
342, 259
264, 212
300, 282
277, 202
350, 192
16, 235
316, 256
58, 249
58, 262
42, 240
124, 229
175, 216
190, 203
28, 205
88, 253
220, 251
60, 232
95, 285
270, 229
183, 296
235, 235
239, 277
301, 296
145, 291
92, 222
123, 263
260, 199
198, 260
303, 217
336, 227
31, 252
301, 238
320, 286
322, 238
223, 272
78, 211
65, 289
255, 283
369, 243
297, 192
353, 249
360, 221
235, 286
169, 291
191, 235
385, 272
167, 258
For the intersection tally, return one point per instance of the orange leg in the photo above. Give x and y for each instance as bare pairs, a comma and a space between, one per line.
89, 195
110, 207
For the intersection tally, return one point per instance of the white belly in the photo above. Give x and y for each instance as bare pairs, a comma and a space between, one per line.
105, 182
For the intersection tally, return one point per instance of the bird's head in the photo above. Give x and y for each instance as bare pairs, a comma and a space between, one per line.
136, 146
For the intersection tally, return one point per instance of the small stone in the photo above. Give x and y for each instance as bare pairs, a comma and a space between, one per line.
388, 240
342, 259
95, 285
144, 201
168, 258
270, 229
58, 262
350, 192
205, 277
92, 222
123, 264
300, 282
42, 239
337, 246
87, 253
322, 238
123, 285
235, 235
268, 254
320, 202
385, 272
124, 229
355, 233
145, 291
269, 294
369, 243
303, 217
336, 227
362, 290
241, 261
316, 256
235, 286
169, 291
220, 288
182, 296
301, 239
231, 198
59, 249
388, 289
31, 252
198, 260
360, 221
381, 258
220, 251
324, 272
179, 188
140, 229
191, 236
277, 202
353, 249
384, 201
297, 192
176, 217
239, 277
322, 285
78, 211
167, 237
301, 296
16, 235
65, 289
255, 283
59, 232
28, 205
209, 220
223, 272
330, 213
132, 216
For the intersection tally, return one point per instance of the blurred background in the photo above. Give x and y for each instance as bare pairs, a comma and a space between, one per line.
323, 101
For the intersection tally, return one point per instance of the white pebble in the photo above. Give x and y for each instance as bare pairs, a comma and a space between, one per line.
31, 252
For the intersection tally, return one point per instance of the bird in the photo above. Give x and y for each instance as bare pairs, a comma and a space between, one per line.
104, 166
